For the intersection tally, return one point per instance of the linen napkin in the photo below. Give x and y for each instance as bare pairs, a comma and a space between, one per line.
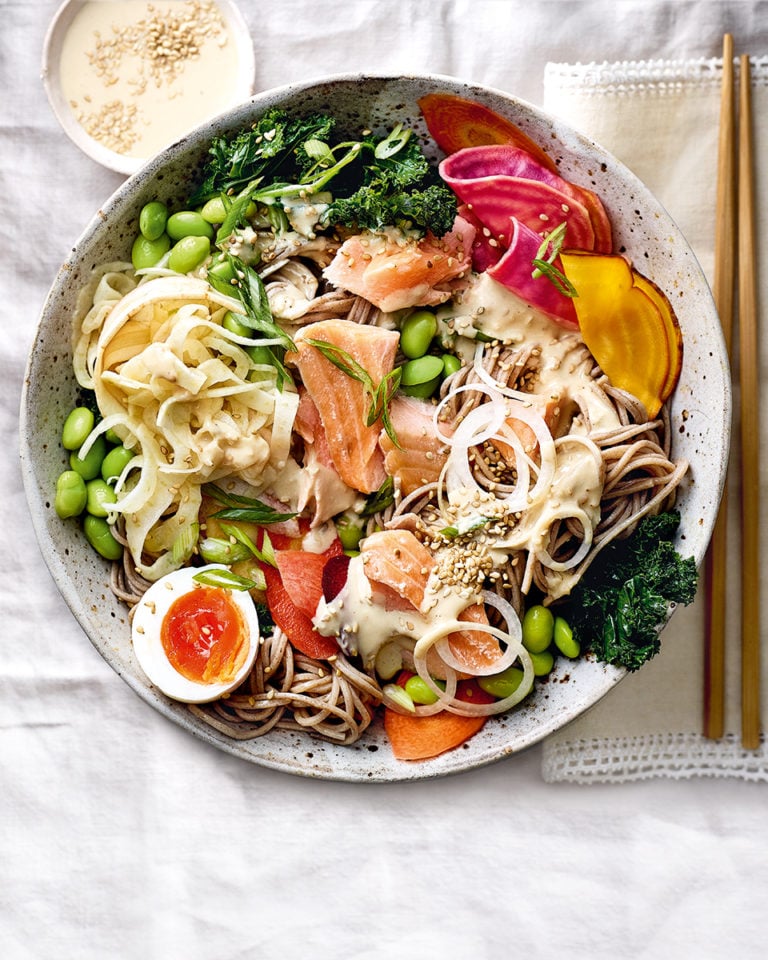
661, 119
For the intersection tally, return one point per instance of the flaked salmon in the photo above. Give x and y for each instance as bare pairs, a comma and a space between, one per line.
341, 400
393, 271
421, 454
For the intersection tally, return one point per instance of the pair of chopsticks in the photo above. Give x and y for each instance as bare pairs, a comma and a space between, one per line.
735, 253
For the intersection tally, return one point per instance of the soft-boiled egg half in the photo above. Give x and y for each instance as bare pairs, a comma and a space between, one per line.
195, 641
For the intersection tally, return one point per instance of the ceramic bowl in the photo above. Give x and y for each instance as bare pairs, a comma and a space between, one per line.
700, 410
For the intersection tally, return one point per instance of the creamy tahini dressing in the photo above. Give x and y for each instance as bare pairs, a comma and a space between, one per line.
364, 626
489, 307
126, 91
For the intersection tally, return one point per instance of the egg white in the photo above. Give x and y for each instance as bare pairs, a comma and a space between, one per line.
148, 648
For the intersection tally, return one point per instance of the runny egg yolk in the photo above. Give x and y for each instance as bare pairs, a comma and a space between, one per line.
204, 636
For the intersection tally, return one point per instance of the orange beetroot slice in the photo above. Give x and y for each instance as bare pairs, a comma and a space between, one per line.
455, 123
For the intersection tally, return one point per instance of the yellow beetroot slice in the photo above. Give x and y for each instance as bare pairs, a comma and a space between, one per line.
627, 324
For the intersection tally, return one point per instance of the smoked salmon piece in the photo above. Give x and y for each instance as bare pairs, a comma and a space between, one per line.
397, 559
393, 271
421, 454
341, 401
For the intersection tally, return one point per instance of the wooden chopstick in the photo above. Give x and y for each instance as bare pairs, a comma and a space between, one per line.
723, 289
750, 437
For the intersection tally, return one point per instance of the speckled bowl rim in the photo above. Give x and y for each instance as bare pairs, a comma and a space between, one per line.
574, 686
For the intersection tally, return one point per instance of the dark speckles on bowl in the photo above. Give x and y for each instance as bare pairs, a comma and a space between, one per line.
642, 229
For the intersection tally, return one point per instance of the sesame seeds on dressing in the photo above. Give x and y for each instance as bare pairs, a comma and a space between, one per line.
125, 68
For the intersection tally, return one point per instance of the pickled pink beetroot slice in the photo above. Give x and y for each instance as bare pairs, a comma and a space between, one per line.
515, 271
470, 172
485, 249
335, 576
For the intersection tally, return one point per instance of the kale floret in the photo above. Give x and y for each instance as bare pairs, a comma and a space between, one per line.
272, 147
398, 189
623, 600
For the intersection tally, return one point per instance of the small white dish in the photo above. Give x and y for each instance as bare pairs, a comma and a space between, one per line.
51, 75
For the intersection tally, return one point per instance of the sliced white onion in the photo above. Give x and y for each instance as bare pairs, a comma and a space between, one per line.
492, 382
494, 398
542, 554
513, 640
447, 697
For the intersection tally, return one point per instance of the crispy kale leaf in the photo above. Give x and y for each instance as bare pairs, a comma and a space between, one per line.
272, 149
399, 189
623, 600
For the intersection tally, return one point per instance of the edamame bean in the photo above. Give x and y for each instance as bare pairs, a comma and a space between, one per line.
112, 437
420, 377
418, 690
222, 270
417, 332
502, 685
148, 253
89, 466
152, 220
350, 535
99, 534
261, 356
76, 428
564, 640
451, 364
215, 210
100, 497
538, 628
115, 462
71, 495
188, 223
236, 326
542, 663
188, 253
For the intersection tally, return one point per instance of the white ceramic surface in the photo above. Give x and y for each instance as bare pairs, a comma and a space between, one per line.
642, 228
50, 76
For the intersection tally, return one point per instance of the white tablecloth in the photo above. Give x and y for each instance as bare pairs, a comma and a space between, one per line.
122, 836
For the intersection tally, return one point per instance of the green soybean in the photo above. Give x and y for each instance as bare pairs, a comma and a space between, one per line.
502, 685
538, 628
236, 326
542, 663
222, 270
188, 253
89, 466
71, 495
99, 534
419, 691
112, 437
115, 462
152, 220
417, 332
451, 364
76, 428
350, 535
420, 377
564, 639
148, 253
188, 223
100, 497
215, 210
